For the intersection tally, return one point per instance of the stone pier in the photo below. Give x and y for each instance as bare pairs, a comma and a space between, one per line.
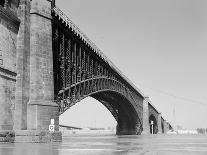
146, 127
26, 72
22, 67
159, 123
41, 107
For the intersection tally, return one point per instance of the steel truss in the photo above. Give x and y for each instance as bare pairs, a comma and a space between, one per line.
80, 72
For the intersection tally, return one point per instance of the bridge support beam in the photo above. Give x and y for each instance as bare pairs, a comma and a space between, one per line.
159, 123
41, 107
146, 127
165, 127
126, 130
41, 104
125, 125
22, 57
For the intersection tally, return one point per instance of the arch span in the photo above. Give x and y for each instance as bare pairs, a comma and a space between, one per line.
126, 116
81, 71
89, 112
128, 121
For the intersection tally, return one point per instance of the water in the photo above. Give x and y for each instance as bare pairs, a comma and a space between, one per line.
113, 145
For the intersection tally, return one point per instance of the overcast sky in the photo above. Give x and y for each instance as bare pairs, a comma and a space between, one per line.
160, 45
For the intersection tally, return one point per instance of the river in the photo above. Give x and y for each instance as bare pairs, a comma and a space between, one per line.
83, 144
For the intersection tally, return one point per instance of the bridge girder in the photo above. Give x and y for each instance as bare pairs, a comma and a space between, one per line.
80, 72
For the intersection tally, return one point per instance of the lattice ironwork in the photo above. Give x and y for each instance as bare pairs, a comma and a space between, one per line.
80, 70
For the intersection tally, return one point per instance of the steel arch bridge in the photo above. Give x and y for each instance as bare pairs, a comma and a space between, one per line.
81, 70
52, 65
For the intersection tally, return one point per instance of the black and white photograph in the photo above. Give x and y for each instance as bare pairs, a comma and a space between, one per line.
103, 77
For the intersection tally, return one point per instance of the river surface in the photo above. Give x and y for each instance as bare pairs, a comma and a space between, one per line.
113, 145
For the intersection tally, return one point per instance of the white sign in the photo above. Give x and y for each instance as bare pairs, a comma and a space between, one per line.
52, 121
51, 128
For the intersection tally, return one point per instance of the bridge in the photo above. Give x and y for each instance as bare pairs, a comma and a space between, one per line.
48, 65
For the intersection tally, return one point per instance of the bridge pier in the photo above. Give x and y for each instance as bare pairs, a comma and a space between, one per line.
145, 123
166, 126
41, 107
38, 121
159, 123
125, 130
147, 111
127, 125
22, 63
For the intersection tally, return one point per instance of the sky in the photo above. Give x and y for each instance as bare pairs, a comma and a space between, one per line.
161, 46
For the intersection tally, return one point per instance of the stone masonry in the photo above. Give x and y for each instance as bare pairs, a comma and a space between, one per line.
145, 124
149, 110
41, 107
22, 66
26, 70
9, 25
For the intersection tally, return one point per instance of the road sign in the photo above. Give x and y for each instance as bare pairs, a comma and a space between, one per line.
52, 128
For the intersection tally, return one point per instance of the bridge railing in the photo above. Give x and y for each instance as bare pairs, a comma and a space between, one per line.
78, 32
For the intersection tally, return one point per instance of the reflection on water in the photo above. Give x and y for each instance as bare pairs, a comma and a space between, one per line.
113, 145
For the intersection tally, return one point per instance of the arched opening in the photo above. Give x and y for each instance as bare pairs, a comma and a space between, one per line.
125, 114
128, 120
153, 124
88, 116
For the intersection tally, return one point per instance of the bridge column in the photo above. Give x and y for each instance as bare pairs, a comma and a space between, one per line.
159, 123
146, 128
41, 107
122, 127
22, 64
165, 127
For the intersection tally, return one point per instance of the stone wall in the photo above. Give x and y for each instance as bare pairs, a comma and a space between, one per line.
9, 25
8, 40
154, 113
7, 90
145, 120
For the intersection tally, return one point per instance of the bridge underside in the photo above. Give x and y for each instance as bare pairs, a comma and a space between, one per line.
127, 119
